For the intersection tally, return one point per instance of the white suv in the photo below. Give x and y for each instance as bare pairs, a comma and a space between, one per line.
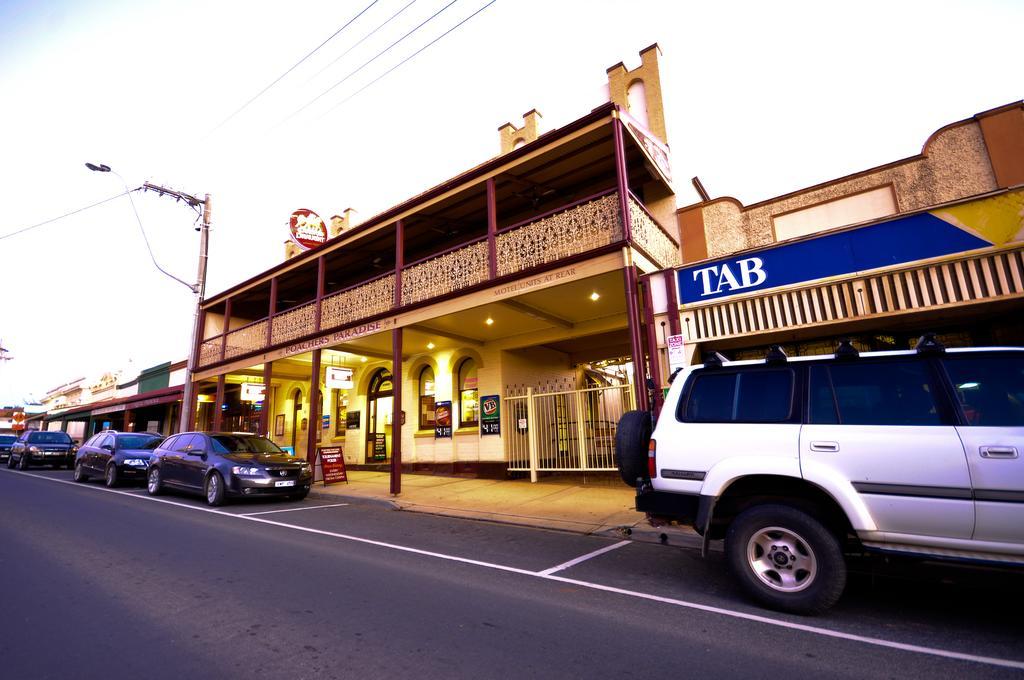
796, 461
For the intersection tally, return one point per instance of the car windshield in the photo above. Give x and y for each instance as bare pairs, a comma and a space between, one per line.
7, 438
49, 438
232, 443
138, 441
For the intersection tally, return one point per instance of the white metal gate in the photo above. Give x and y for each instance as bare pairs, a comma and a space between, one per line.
568, 431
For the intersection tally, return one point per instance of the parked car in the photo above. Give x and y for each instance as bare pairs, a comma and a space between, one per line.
798, 462
6, 441
42, 448
222, 464
116, 456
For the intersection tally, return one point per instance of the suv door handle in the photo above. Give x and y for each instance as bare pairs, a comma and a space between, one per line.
998, 451
830, 447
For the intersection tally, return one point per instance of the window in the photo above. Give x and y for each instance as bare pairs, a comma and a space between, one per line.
340, 412
469, 404
821, 401
186, 442
884, 393
106, 440
761, 396
990, 389
48, 438
426, 390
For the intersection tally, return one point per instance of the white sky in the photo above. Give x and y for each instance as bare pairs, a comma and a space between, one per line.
762, 98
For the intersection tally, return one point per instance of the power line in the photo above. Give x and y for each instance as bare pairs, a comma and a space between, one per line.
73, 212
362, 40
409, 58
293, 67
375, 58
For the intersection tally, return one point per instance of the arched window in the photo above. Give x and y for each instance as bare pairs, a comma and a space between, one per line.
469, 402
426, 390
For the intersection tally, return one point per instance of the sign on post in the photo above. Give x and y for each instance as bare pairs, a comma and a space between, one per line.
676, 353
332, 465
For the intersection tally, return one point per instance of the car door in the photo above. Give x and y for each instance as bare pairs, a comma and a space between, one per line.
172, 461
103, 451
989, 389
194, 462
885, 425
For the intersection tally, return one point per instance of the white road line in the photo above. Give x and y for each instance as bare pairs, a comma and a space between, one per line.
584, 558
270, 512
730, 613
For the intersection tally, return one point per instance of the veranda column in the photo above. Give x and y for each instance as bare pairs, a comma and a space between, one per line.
314, 409
396, 412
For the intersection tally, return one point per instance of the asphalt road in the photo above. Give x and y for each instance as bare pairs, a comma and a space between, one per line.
100, 584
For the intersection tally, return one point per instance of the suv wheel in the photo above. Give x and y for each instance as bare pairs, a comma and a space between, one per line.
631, 440
785, 559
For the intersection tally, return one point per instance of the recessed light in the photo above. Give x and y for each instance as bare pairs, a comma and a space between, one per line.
362, 359
489, 322
595, 296
430, 345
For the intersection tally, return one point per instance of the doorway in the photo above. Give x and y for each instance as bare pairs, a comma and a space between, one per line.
380, 400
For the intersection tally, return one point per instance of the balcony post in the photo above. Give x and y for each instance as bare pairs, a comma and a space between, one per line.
320, 275
673, 302
268, 371
227, 326
396, 412
653, 357
399, 260
218, 418
621, 173
314, 408
271, 309
492, 229
636, 345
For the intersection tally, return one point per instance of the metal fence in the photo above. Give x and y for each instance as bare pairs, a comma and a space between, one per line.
568, 431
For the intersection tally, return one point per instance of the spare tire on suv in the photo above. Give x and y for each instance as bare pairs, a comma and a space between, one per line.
631, 441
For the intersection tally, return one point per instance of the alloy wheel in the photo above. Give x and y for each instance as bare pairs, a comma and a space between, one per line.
781, 559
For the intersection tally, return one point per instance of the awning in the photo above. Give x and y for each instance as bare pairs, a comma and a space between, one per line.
137, 401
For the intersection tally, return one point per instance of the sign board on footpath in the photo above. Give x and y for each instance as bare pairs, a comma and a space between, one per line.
332, 465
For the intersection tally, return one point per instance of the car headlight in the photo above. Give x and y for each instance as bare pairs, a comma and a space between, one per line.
74, 449
33, 449
243, 471
136, 462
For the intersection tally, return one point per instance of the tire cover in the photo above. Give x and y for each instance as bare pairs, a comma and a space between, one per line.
631, 440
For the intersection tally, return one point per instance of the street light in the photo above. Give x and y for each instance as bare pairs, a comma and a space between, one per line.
198, 288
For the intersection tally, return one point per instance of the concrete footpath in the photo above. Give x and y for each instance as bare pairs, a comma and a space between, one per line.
600, 508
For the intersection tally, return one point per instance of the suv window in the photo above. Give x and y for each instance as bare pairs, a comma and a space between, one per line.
755, 396
989, 388
874, 393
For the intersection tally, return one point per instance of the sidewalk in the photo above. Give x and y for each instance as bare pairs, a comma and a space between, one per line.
559, 505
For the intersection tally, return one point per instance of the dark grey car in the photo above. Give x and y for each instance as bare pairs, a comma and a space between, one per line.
116, 456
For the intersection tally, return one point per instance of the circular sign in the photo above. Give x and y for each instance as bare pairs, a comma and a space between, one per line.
307, 229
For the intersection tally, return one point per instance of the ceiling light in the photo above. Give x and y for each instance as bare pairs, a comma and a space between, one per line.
489, 322
595, 296
362, 359
430, 345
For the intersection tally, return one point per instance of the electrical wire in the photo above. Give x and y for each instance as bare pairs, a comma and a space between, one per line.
365, 64
409, 58
293, 67
361, 41
73, 212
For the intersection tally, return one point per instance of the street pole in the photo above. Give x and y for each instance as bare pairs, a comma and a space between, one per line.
188, 399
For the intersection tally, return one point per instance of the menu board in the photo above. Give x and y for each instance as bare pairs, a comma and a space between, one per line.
442, 419
490, 414
332, 465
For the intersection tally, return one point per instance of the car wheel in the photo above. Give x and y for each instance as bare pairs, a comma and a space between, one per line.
23, 462
215, 489
785, 559
632, 437
80, 475
154, 485
110, 476
10, 462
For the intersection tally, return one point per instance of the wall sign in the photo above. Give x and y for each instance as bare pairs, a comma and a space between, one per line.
307, 229
898, 241
352, 420
490, 414
442, 419
380, 446
332, 465
253, 392
676, 353
338, 378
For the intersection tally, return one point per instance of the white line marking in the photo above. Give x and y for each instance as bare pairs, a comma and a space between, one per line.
270, 512
584, 558
813, 630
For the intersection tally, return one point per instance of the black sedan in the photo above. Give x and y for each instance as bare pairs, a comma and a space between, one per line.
6, 441
43, 448
222, 464
116, 456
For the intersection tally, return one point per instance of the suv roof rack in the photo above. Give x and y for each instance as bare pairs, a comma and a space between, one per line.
776, 355
929, 344
714, 360
846, 350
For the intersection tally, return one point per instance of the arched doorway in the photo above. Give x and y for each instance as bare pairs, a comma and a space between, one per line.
296, 412
379, 400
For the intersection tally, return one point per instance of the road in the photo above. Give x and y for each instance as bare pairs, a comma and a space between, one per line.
109, 584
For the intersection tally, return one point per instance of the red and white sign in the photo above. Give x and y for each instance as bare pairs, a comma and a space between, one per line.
307, 229
332, 465
676, 353
19, 421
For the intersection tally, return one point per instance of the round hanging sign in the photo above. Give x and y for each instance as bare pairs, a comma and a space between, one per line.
307, 229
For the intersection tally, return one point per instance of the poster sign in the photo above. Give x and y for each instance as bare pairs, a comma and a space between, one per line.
253, 392
339, 378
676, 353
380, 446
326, 419
490, 414
442, 419
332, 465
352, 420
307, 229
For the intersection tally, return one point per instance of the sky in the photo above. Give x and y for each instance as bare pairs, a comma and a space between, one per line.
761, 99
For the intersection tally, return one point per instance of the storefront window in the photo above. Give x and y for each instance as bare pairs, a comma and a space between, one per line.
469, 404
340, 412
426, 387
